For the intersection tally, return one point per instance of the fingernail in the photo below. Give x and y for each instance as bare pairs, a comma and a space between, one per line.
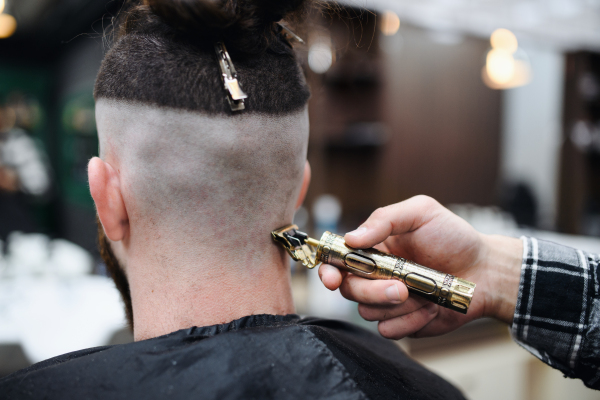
431, 308
392, 293
358, 232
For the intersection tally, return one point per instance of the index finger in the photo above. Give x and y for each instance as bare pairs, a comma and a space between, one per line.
395, 219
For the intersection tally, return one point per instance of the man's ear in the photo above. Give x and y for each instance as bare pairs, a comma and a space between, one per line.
106, 192
305, 184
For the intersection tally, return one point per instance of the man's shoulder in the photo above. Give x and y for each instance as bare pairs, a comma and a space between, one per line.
344, 334
295, 358
50, 363
378, 366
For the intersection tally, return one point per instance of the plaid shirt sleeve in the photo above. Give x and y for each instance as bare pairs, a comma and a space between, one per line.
557, 317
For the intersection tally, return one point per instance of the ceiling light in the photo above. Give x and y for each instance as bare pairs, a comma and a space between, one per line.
505, 40
321, 54
390, 23
500, 66
2, 4
320, 57
506, 65
8, 25
506, 72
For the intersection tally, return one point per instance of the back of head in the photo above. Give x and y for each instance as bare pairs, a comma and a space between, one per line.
163, 54
189, 166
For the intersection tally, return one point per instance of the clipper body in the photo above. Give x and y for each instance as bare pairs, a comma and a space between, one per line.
443, 289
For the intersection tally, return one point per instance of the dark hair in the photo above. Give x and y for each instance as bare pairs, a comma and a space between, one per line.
116, 272
163, 54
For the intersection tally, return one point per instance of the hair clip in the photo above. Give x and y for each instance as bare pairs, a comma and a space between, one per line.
291, 33
235, 94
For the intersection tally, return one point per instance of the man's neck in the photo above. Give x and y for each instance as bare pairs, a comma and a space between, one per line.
170, 293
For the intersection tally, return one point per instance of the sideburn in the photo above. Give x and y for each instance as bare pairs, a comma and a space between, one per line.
117, 273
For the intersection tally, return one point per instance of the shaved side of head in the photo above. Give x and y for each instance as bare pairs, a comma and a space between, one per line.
216, 178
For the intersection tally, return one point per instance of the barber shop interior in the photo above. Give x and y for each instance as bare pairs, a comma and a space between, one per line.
253, 199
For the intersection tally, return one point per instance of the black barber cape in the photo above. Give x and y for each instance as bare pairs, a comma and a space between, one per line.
255, 357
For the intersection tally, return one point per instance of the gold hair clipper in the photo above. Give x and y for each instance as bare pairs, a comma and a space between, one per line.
440, 288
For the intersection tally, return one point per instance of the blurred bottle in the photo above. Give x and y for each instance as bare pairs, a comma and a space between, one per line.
326, 210
27, 254
36, 255
68, 259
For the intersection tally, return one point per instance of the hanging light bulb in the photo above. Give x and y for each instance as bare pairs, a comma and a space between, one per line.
505, 40
390, 23
506, 66
321, 55
8, 25
500, 66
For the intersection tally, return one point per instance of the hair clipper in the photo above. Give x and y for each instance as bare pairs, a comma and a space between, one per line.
443, 289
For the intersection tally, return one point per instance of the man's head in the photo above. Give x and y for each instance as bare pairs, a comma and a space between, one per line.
176, 164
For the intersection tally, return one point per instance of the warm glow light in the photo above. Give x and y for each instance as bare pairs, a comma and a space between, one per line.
2, 4
500, 66
8, 25
320, 57
504, 39
520, 77
390, 23
506, 66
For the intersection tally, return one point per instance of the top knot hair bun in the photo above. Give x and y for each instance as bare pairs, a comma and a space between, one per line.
247, 26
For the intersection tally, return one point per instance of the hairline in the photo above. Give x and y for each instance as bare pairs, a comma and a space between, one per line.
232, 114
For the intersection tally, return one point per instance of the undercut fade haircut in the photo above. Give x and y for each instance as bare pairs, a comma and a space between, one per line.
163, 55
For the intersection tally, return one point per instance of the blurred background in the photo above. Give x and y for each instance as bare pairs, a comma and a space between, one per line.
491, 107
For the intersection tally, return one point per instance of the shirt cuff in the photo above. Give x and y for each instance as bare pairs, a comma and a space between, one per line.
555, 304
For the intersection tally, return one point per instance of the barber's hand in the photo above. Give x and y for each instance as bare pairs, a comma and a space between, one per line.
422, 230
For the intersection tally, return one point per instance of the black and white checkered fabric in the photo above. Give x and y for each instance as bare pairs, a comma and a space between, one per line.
557, 317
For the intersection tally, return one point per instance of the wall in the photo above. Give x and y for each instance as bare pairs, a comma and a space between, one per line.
531, 132
442, 124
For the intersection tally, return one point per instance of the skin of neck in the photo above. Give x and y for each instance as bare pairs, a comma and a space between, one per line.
177, 284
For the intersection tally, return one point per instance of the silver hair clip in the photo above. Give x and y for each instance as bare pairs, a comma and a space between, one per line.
235, 94
291, 33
